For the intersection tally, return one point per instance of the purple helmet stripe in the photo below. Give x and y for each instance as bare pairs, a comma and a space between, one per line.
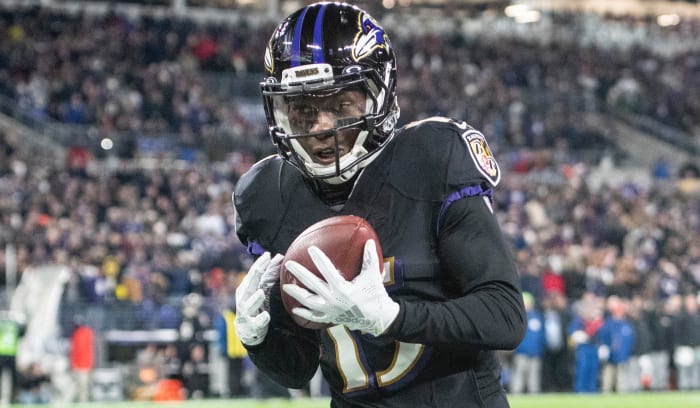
296, 46
318, 36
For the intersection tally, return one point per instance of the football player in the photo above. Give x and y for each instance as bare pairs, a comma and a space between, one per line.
423, 334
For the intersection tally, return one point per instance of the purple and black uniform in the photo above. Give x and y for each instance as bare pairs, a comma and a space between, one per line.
428, 195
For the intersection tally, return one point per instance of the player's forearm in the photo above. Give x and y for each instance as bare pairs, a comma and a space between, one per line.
290, 362
491, 318
289, 355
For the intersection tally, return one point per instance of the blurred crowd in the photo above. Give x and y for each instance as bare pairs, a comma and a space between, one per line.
118, 74
157, 75
156, 248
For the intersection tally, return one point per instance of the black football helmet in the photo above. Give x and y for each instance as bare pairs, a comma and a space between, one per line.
320, 50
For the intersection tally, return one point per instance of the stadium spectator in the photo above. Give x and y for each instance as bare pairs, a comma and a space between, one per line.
557, 359
82, 357
196, 372
583, 336
687, 344
172, 362
527, 357
663, 321
616, 343
640, 367
232, 351
11, 329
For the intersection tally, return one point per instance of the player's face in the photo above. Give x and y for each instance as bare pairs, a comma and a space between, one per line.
313, 114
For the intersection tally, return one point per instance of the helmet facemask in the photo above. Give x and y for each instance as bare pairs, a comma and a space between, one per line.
306, 91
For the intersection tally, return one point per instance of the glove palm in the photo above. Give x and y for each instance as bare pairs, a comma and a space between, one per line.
361, 304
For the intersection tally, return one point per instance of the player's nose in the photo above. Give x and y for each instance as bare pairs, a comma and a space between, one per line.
324, 121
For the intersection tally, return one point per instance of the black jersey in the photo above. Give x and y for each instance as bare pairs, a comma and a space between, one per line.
428, 196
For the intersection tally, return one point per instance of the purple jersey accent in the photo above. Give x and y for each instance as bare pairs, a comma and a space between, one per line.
255, 249
468, 191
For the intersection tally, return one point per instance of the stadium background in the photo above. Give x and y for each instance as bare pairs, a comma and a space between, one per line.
125, 126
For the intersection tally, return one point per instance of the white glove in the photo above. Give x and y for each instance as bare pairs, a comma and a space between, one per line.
603, 353
361, 304
253, 299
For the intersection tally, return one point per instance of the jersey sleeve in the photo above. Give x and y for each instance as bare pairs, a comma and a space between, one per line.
490, 311
487, 310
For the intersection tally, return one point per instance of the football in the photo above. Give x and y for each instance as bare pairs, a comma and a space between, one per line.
342, 238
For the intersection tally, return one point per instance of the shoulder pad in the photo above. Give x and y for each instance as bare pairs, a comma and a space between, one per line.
270, 192
438, 155
246, 197
266, 165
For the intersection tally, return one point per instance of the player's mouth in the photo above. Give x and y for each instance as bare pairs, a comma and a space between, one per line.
326, 156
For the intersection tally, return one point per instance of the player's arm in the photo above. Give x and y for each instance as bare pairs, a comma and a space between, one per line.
289, 355
284, 351
488, 310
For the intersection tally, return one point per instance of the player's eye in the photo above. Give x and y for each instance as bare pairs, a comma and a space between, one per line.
304, 109
344, 107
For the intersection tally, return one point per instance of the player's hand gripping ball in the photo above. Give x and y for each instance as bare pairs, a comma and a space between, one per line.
342, 238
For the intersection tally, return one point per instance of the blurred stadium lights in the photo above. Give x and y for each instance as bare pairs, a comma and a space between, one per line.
106, 144
657, 7
622, 5
619, 7
667, 20
522, 11
417, 4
